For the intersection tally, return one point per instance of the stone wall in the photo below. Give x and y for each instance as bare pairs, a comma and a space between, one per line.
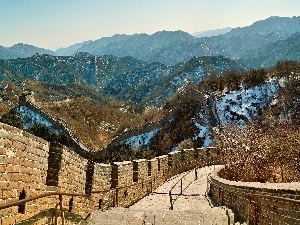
33, 166
268, 203
30, 166
23, 168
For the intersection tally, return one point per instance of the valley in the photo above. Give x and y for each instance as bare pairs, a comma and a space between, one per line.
132, 101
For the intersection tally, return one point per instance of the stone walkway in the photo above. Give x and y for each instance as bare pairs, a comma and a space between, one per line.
190, 208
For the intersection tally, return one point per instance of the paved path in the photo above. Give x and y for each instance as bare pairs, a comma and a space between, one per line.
190, 208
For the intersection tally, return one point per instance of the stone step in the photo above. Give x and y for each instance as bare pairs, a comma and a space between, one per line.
191, 208
121, 216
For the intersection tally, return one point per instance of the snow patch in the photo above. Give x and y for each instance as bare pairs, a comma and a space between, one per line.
242, 105
141, 140
30, 117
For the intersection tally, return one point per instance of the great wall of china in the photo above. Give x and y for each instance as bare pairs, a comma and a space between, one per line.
33, 166
42, 172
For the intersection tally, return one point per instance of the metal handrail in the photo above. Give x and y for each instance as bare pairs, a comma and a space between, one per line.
170, 192
60, 194
29, 199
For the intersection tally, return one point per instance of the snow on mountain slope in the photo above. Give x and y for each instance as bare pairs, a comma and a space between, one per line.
236, 107
242, 105
204, 128
141, 140
29, 117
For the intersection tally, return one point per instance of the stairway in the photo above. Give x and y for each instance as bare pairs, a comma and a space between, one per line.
125, 216
190, 208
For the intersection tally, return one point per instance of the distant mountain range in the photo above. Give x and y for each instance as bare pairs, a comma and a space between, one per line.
22, 51
171, 48
246, 44
287, 49
210, 33
125, 78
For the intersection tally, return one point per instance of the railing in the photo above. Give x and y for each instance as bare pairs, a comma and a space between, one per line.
60, 204
181, 187
253, 201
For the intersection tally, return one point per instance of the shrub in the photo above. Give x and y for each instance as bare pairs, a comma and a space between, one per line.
260, 154
186, 144
12, 120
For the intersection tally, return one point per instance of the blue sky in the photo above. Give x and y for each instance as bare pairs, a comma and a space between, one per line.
59, 23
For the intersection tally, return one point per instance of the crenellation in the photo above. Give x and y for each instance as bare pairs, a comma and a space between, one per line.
152, 167
4, 134
140, 170
32, 164
122, 174
102, 177
68, 175
11, 129
175, 163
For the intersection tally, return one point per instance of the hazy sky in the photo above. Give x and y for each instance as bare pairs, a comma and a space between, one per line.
59, 23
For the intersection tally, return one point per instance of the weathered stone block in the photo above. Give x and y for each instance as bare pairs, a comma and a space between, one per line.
18, 145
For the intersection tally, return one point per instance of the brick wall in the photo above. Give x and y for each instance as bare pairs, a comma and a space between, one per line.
140, 170
263, 208
32, 164
162, 169
23, 168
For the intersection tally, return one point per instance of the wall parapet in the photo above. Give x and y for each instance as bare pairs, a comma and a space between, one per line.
258, 203
31, 166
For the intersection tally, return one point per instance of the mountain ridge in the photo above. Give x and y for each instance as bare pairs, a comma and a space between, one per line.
173, 47
21, 50
124, 78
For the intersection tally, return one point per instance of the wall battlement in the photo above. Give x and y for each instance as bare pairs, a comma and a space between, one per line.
36, 166
30, 166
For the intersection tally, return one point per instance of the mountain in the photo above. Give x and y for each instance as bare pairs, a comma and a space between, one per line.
209, 33
124, 78
82, 68
156, 83
171, 48
281, 26
282, 50
195, 114
71, 50
22, 51
187, 112
142, 46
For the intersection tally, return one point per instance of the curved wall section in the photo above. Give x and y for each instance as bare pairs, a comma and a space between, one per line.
258, 203
31, 166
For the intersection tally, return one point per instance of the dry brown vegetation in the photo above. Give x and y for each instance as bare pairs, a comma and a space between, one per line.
261, 154
97, 123
4, 109
268, 151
